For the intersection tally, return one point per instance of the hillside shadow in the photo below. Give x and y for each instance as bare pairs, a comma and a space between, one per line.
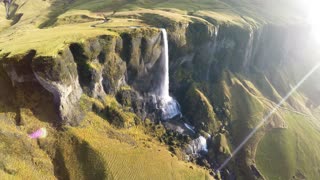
13, 13
59, 7
25, 94
7, 97
84, 163
32, 96
60, 170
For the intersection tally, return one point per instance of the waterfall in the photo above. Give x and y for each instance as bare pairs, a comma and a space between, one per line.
168, 105
164, 86
213, 48
249, 49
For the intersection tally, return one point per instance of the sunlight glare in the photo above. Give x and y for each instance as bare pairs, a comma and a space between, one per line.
314, 17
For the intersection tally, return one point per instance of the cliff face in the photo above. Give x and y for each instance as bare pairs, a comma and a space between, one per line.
243, 72
96, 67
109, 76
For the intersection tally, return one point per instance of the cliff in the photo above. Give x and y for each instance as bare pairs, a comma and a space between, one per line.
93, 86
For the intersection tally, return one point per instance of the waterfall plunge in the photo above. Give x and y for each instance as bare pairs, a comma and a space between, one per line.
164, 86
169, 106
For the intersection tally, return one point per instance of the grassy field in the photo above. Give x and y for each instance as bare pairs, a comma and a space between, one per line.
49, 41
26, 17
20, 156
292, 152
135, 155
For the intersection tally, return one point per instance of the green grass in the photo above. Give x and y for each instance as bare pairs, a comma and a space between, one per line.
80, 15
93, 150
284, 153
280, 11
247, 108
20, 156
49, 41
140, 158
276, 153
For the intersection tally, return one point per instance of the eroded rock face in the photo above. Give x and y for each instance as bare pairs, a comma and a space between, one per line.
112, 62
19, 68
96, 67
142, 52
59, 76
107, 63
88, 69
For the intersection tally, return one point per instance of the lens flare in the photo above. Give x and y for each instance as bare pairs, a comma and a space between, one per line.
39, 134
266, 118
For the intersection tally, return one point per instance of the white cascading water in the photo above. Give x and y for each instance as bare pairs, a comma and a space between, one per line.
249, 50
169, 106
164, 87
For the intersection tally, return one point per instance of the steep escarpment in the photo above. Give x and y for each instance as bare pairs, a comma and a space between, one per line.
243, 71
94, 68
59, 80
90, 77
96, 86
126, 66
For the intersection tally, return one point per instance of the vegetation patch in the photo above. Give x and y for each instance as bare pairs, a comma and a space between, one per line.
290, 153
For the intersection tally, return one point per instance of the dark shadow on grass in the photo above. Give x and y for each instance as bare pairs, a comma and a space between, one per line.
13, 9
7, 96
92, 165
16, 18
85, 162
60, 169
12, 14
58, 7
61, 6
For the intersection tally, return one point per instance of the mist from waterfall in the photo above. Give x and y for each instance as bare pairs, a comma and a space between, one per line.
168, 105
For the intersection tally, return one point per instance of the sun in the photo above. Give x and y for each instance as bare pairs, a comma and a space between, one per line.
314, 17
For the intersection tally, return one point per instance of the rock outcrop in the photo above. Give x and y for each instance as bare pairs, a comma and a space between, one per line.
59, 76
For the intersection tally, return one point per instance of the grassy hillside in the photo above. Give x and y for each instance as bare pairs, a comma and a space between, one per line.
20, 157
286, 146
94, 149
22, 28
294, 153
59, 38
131, 154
